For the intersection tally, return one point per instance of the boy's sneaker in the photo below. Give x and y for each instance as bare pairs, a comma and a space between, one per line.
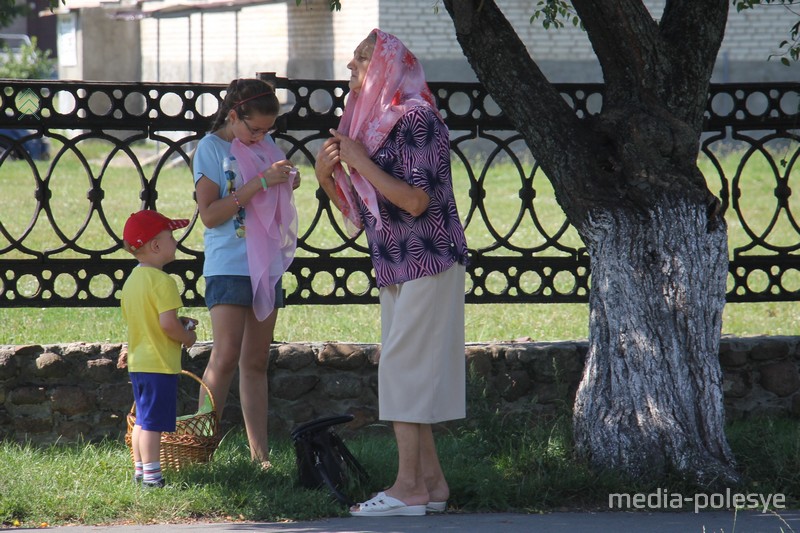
154, 484
137, 479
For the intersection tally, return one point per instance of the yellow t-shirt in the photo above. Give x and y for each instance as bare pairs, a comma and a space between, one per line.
147, 293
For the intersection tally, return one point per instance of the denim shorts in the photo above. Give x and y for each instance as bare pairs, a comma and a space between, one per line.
235, 290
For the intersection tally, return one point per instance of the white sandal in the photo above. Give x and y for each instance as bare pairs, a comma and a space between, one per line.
436, 507
383, 505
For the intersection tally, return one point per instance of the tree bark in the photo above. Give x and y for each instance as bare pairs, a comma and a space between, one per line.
650, 402
651, 396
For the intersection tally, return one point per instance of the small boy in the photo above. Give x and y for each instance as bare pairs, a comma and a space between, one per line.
150, 300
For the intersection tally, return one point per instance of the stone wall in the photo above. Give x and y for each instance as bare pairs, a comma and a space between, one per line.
72, 391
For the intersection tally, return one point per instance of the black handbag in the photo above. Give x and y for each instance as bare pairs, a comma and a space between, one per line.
323, 460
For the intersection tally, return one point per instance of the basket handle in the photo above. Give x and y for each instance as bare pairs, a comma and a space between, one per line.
202, 384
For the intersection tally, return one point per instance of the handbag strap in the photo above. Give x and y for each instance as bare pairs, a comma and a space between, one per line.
320, 424
336, 491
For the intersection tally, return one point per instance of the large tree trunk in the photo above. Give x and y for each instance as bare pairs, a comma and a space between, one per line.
651, 396
650, 402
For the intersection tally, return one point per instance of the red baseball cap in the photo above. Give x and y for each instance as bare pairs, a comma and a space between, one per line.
146, 224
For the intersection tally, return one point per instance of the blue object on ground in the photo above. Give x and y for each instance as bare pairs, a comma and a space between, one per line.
19, 139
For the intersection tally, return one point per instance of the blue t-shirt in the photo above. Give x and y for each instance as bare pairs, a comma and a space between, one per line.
226, 254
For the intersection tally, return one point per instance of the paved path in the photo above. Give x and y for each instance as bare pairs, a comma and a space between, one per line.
604, 522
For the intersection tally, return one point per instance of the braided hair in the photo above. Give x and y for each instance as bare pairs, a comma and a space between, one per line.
246, 96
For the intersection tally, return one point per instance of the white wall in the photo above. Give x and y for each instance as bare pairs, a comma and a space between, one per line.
309, 41
103, 49
215, 47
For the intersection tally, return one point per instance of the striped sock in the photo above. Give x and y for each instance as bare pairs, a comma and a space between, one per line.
152, 473
138, 471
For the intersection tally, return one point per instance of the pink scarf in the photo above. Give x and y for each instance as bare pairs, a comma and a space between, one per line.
271, 234
393, 85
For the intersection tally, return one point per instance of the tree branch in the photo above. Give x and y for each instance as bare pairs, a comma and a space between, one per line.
547, 123
692, 33
625, 39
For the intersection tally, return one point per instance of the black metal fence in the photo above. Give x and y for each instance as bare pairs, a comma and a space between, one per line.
129, 145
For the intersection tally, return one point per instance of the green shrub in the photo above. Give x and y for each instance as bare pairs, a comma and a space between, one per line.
29, 62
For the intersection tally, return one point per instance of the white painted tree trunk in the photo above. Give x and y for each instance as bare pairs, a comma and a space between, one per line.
650, 401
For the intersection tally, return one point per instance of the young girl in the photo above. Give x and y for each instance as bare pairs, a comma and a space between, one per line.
244, 184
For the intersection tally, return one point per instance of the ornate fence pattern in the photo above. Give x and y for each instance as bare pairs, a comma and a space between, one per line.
131, 145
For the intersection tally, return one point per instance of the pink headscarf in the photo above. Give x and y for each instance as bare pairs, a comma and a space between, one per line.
393, 85
271, 224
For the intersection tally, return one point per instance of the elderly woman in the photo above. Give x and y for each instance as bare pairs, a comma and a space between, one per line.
398, 189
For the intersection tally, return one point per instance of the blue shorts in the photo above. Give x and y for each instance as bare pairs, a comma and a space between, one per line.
235, 290
156, 397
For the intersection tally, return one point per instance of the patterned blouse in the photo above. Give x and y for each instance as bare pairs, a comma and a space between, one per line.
417, 151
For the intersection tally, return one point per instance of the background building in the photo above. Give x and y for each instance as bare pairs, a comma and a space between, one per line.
218, 40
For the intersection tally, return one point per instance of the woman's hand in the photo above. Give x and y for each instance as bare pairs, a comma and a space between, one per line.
405, 196
327, 159
339, 149
351, 151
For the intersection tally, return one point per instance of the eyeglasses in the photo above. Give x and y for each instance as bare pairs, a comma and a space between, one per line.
258, 132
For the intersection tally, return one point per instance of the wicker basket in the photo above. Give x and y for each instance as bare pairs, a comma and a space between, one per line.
194, 440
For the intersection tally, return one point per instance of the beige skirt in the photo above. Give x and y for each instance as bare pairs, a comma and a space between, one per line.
422, 368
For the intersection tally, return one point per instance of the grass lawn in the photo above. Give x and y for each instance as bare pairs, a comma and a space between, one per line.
360, 323
495, 464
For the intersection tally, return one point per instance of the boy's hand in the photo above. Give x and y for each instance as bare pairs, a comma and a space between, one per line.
189, 324
178, 328
192, 338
